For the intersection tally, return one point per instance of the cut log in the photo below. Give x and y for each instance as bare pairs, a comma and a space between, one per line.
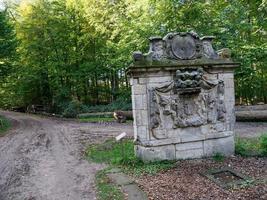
251, 116
122, 116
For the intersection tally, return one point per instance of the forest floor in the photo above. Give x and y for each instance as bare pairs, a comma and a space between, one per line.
42, 158
185, 181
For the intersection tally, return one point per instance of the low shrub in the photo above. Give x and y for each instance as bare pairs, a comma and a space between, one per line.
74, 108
119, 104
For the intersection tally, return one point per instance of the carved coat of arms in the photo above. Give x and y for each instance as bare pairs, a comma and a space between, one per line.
190, 100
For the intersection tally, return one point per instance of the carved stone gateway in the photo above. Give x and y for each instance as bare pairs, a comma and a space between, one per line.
183, 98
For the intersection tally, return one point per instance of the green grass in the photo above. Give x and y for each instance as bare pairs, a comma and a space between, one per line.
122, 155
100, 119
4, 125
97, 119
106, 190
218, 157
251, 146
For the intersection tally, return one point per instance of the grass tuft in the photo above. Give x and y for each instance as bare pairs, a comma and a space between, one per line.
122, 155
251, 146
263, 144
4, 125
97, 119
218, 157
106, 190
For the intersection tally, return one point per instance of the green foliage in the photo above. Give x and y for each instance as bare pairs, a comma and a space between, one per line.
8, 58
96, 115
247, 183
97, 119
119, 104
7, 45
121, 154
263, 144
218, 157
106, 190
252, 146
111, 152
73, 108
4, 125
57, 51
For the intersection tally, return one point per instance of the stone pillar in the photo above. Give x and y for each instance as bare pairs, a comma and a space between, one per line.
183, 99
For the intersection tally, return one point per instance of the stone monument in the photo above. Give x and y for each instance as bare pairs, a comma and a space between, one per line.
183, 98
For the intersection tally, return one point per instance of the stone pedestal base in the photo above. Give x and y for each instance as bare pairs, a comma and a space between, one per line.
188, 150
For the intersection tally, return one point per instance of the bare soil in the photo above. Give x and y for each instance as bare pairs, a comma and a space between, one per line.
41, 158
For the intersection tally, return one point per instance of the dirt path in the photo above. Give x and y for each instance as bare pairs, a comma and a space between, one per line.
250, 129
40, 158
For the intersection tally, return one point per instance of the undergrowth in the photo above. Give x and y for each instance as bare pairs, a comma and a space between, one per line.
122, 155
96, 119
252, 146
118, 104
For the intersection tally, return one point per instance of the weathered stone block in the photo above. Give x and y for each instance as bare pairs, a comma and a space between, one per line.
139, 89
189, 150
174, 133
153, 142
141, 117
134, 117
141, 132
166, 152
229, 83
158, 134
159, 79
133, 81
139, 102
229, 95
221, 145
191, 134
224, 76
158, 73
220, 126
189, 145
215, 135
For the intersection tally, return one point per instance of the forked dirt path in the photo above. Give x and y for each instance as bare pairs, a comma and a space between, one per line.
41, 159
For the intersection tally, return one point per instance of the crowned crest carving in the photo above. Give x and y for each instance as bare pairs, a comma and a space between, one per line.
179, 46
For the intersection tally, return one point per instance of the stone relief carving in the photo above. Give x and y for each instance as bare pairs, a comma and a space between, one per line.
180, 46
188, 81
221, 110
208, 50
190, 100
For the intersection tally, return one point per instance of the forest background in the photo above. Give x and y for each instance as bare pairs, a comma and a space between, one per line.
70, 56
